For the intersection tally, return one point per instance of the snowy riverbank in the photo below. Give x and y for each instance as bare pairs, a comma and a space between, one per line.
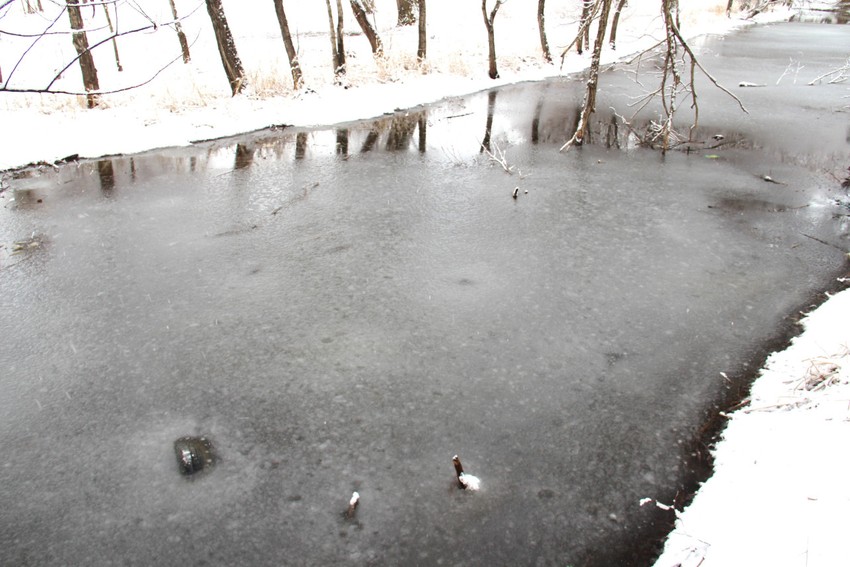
779, 493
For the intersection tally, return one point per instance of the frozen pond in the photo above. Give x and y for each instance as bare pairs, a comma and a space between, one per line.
346, 309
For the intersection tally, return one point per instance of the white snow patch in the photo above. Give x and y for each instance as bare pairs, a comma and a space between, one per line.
469, 481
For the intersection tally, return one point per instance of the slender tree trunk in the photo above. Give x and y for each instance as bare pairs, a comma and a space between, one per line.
332, 35
181, 37
226, 47
589, 106
294, 65
541, 23
337, 45
340, 34
114, 40
729, 8
81, 45
368, 30
615, 22
491, 36
586, 14
406, 15
422, 52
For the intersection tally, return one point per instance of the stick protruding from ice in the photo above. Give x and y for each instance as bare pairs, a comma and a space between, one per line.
465, 481
352, 504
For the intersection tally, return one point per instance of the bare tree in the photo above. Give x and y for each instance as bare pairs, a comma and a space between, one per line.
81, 45
294, 65
421, 51
615, 22
678, 65
337, 43
406, 14
589, 104
491, 35
368, 30
340, 34
114, 38
181, 37
541, 24
587, 11
226, 47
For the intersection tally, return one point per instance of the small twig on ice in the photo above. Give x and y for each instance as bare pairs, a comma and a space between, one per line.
498, 157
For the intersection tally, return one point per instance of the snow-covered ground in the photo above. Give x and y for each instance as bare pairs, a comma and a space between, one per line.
779, 493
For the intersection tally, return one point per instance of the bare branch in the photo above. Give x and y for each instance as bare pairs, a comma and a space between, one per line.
687, 48
101, 92
111, 37
20, 60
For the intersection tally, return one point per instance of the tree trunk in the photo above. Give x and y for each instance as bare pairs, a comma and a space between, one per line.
586, 14
181, 37
337, 44
541, 23
294, 65
226, 47
406, 15
340, 43
421, 52
332, 35
368, 30
491, 36
589, 106
81, 44
615, 22
729, 8
114, 40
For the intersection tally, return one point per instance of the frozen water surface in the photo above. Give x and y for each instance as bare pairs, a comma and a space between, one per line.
344, 310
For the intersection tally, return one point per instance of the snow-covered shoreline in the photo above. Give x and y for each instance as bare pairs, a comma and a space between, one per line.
779, 491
